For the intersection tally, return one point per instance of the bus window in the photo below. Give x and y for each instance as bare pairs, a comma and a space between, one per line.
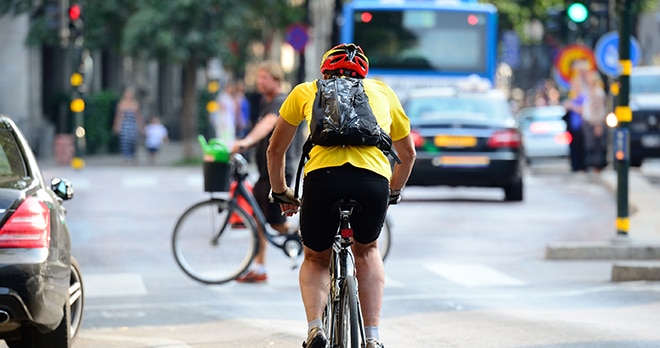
426, 40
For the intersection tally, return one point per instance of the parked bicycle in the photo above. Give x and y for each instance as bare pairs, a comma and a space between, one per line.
215, 240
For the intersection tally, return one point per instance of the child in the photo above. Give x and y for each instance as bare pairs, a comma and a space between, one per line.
155, 135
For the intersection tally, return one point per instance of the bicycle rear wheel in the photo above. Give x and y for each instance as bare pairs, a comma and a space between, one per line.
347, 320
214, 241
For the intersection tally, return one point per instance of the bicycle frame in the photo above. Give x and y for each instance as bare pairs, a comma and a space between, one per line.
292, 244
342, 266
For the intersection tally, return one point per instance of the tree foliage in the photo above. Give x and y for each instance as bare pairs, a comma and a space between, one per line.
514, 14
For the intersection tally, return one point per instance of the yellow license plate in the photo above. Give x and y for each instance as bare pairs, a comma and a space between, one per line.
472, 161
455, 141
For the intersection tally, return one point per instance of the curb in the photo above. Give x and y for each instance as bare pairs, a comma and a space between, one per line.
642, 248
636, 271
613, 250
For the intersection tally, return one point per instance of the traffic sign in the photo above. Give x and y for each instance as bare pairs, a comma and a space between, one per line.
565, 59
297, 37
606, 53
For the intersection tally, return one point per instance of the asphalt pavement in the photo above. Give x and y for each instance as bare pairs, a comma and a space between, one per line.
635, 256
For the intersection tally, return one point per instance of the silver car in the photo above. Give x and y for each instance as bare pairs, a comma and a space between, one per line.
544, 132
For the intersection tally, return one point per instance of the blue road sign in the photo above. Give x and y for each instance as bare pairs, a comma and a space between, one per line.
606, 53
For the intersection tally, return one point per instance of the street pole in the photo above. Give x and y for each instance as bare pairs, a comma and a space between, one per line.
624, 117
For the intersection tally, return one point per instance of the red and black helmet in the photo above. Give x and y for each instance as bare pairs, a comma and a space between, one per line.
345, 59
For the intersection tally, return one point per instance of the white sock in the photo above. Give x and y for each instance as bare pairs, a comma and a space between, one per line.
372, 332
314, 323
259, 268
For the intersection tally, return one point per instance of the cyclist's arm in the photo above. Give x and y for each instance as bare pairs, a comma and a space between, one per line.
258, 132
276, 153
405, 149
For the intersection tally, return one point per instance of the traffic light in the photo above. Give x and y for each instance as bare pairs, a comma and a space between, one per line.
76, 24
77, 103
577, 12
213, 86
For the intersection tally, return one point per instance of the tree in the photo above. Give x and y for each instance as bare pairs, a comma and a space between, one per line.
191, 32
515, 13
188, 32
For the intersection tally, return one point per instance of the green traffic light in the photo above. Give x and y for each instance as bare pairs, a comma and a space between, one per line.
577, 12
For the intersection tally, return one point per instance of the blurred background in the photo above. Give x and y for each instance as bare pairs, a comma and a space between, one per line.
179, 53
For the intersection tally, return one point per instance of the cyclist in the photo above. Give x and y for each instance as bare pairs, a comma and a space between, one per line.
332, 173
269, 80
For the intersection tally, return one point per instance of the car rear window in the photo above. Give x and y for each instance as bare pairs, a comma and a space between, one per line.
12, 164
472, 107
640, 84
544, 113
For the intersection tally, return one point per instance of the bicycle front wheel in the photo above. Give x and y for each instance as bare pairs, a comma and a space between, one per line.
348, 326
214, 241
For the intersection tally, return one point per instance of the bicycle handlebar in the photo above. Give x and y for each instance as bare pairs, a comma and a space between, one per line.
239, 162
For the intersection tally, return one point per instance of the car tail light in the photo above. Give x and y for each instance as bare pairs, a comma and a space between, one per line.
417, 138
539, 127
564, 138
28, 227
504, 138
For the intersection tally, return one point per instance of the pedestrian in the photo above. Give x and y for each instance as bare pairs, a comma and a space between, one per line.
594, 126
573, 118
362, 173
155, 135
243, 118
128, 125
269, 83
225, 120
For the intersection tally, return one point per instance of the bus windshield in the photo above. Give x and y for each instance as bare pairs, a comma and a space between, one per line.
423, 40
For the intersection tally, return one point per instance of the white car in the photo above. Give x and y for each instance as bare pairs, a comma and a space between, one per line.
544, 132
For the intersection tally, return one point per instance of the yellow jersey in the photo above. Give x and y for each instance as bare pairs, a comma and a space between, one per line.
386, 107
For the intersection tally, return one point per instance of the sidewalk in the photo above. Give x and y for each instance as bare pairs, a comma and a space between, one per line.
171, 153
637, 255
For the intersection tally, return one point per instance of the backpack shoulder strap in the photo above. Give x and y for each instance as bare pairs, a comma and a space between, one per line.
304, 156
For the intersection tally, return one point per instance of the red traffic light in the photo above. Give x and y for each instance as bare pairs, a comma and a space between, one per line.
74, 12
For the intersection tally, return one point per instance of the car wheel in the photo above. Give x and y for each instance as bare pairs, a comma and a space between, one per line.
65, 334
76, 298
514, 191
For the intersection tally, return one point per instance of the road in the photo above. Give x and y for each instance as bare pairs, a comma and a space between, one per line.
466, 270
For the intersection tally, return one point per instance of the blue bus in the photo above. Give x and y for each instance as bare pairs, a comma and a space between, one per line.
420, 43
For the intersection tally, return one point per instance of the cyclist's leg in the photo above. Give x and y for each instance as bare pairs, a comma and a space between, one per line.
371, 281
371, 191
318, 225
314, 279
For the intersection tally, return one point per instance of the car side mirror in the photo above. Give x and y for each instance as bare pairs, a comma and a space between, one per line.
62, 188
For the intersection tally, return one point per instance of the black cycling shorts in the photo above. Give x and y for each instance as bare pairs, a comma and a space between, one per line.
322, 188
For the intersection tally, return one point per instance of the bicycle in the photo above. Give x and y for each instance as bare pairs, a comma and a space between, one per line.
342, 316
215, 240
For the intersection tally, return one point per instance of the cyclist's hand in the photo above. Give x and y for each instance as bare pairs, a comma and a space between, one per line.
286, 197
289, 203
395, 197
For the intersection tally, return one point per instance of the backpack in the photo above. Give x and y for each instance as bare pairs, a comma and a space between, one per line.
341, 116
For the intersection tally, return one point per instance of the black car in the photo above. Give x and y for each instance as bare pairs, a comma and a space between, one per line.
41, 292
645, 105
465, 137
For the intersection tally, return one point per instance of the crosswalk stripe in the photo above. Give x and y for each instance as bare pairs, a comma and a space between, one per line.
472, 275
114, 284
135, 181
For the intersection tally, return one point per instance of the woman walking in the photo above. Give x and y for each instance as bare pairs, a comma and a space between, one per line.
128, 125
